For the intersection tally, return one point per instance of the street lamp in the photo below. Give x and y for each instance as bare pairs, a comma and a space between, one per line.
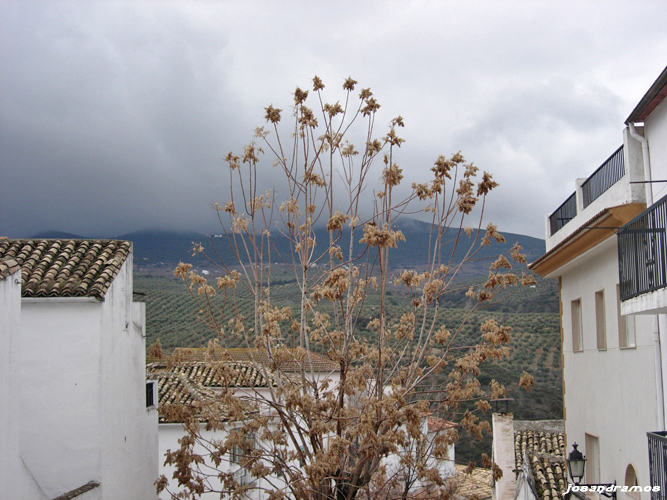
576, 466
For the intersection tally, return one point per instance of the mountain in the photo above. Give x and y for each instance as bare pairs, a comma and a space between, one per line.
56, 235
152, 247
163, 249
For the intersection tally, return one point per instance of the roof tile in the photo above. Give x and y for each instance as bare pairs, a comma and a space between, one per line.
292, 363
8, 267
544, 448
66, 268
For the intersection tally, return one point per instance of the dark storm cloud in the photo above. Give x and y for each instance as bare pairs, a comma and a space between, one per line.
115, 115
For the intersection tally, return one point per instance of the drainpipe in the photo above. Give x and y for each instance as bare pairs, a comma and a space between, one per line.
647, 162
659, 318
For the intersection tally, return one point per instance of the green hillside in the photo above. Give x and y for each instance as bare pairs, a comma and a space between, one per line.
532, 312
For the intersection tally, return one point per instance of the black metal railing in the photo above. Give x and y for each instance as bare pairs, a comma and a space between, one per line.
657, 463
608, 174
642, 248
563, 214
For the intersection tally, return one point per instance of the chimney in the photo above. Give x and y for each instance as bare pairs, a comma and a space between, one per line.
503, 455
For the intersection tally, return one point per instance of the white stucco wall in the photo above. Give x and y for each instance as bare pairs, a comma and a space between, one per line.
609, 393
655, 131
169, 436
60, 381
10, 311
129, 461
83, 395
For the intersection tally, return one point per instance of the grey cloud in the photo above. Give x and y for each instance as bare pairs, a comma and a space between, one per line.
115, 116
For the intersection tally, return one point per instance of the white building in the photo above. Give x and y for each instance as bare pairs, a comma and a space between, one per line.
190, 378
73, 372
187, 379
613, 342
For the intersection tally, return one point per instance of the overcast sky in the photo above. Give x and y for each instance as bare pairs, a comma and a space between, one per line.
114, 116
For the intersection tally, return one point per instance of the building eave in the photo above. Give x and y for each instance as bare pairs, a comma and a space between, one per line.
653, 97
591, 233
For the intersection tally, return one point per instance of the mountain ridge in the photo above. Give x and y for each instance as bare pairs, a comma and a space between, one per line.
156, 248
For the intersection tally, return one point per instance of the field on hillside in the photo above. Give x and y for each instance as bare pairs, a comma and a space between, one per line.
532, 312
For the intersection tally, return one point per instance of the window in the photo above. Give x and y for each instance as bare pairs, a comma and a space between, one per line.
626, 325
151, 393
631, 480
592, 459
600, 321
577, 341
238, 451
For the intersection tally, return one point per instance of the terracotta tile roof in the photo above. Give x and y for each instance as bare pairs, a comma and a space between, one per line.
175, 389
211, 374
66, 268
291, 363
473, 486
7, 268
436, 424
542, 444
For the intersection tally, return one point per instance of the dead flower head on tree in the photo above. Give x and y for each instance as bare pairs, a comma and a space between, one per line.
336, 437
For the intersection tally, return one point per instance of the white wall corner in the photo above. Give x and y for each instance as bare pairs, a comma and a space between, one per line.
503, 455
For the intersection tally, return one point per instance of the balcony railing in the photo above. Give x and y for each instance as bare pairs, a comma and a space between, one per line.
604, 177
657, 463
563, 214
608, 174
642, 247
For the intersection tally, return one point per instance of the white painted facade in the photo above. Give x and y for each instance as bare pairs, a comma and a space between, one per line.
445, 466
170, 433
613, 385
14, 478
608, 393
654, 162
169, 436
79, 407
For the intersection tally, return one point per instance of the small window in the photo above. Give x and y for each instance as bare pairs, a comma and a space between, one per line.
577, 341
626, 325
600, 320
238, 451
151, 393
630, 481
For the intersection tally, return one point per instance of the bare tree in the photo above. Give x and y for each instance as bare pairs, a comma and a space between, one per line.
326, 438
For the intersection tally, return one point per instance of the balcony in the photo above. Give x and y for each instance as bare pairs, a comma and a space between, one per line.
607, 174
657, 460
642, 247
563, 214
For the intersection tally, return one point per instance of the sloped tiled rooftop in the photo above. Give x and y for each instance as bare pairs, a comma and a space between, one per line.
7, 268
177, 389
473, 486
542, 444
66, 268
212, 374
290, 363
